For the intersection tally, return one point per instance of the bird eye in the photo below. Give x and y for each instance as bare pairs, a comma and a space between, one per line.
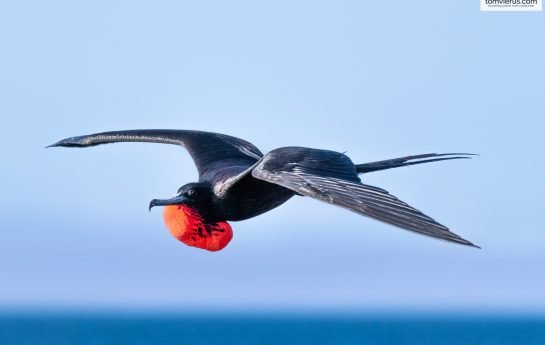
190, 192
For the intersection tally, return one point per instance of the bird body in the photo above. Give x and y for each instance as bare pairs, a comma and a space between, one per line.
237, 182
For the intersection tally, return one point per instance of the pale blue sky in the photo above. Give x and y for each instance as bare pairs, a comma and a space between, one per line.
378, 79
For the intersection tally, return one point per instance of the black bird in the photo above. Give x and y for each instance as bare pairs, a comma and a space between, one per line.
237, 182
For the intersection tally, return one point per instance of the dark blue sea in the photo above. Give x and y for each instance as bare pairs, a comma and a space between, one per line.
134, 329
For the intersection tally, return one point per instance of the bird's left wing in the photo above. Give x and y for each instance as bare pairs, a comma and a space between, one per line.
331, 177
208, 150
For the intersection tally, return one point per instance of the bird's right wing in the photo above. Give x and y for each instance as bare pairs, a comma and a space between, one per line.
331, 177
208, 150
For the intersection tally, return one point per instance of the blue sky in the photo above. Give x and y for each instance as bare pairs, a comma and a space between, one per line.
375, 79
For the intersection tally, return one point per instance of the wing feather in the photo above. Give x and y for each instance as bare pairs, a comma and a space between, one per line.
302, 171
208, 150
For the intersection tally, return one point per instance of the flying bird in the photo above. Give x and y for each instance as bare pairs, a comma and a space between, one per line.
237, 182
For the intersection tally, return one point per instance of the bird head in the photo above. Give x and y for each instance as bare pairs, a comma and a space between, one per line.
189, 218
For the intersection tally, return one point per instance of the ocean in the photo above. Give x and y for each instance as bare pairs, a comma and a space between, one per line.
96, 329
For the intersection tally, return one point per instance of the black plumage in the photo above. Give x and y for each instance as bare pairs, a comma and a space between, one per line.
237, 182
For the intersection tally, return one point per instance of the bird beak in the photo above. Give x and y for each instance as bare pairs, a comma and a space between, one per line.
177, 200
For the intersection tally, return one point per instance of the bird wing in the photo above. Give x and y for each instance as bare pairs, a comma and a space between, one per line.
331, 177
208, 150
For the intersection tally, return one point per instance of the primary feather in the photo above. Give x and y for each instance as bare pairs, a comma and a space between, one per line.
331, 177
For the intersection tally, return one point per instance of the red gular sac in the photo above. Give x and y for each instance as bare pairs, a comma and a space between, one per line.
188, 226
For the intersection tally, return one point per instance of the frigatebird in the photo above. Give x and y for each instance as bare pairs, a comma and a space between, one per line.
237, 182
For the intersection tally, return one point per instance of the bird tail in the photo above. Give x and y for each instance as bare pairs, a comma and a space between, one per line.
409, 160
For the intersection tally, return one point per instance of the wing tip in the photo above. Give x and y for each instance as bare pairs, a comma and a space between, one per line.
459, 240
57, 144
469, 244
68, 142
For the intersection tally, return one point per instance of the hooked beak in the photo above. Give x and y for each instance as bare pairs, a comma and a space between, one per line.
177, 200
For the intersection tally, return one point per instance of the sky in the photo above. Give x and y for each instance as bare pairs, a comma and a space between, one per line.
374, 79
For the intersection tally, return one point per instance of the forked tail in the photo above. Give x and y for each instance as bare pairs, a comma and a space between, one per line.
409, 160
